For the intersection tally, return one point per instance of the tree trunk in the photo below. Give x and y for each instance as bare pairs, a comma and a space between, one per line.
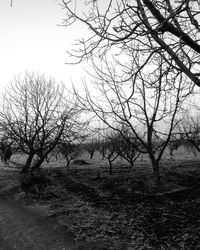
91, 154
131, 162
27, 165
171, 154
38, 164
156, 172
68, 161
110, 166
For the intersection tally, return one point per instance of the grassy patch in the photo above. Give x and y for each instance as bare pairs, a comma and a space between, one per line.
123, 211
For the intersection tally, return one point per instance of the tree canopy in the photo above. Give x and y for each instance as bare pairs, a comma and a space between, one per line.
169, 28
35, 115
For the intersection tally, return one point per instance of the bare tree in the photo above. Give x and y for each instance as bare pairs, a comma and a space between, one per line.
169, 28
5, 151
127, 146
175, 142
151, 55
69, 150
189, 128
35, 115
108, 149
146, 104
91, 146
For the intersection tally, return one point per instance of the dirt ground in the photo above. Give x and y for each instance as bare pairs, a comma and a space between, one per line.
98, 211
22, 228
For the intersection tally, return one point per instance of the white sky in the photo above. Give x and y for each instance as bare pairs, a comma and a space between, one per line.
32, 40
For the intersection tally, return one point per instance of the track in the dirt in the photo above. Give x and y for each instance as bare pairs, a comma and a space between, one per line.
22, 229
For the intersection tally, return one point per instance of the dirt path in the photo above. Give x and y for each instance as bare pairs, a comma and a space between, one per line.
21, 228
24, 229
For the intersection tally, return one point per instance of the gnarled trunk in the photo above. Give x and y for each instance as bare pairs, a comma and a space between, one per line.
27, 165
37, 165
156, 171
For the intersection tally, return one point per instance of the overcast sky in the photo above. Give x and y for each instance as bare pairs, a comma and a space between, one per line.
32, 40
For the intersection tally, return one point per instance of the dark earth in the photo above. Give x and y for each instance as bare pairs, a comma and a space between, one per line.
21, 228
89, 209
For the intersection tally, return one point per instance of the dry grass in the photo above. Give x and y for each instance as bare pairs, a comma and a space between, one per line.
122, 211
